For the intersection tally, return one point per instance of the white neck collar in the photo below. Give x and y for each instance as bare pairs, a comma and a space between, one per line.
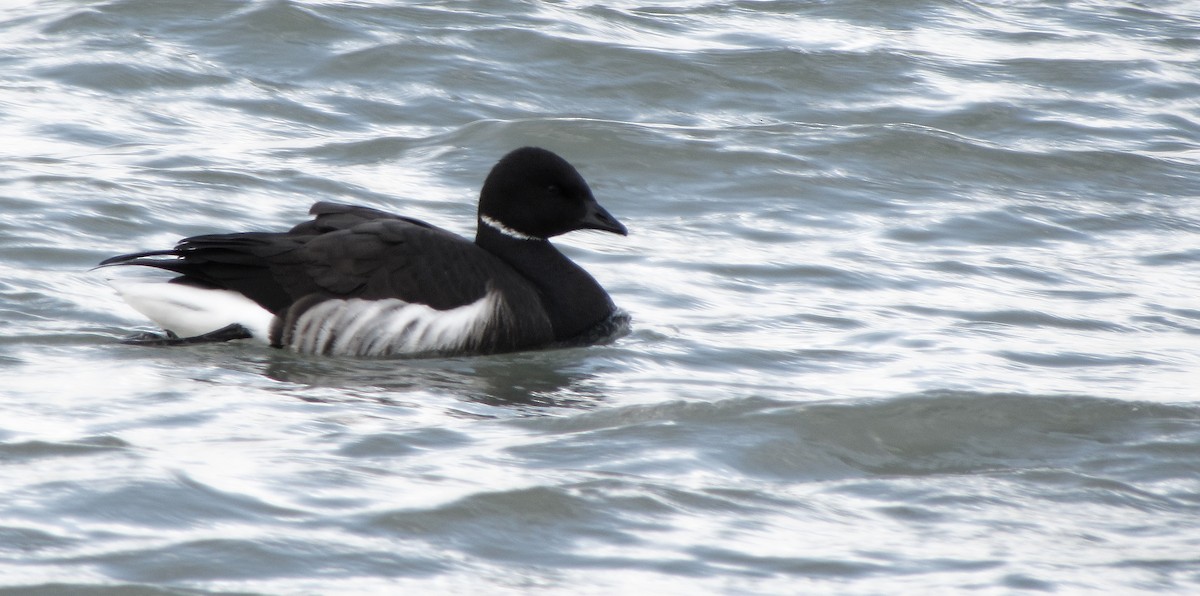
503, 229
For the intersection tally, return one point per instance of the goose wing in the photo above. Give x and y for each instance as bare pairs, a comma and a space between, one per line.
344, 252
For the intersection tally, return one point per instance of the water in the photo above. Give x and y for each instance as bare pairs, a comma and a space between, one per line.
913, 285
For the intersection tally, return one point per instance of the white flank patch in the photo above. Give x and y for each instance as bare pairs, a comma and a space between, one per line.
189, 311
390, 327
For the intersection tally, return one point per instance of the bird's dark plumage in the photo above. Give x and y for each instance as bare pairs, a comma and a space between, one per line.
356, 280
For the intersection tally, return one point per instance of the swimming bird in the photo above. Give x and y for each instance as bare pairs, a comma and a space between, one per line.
362, 282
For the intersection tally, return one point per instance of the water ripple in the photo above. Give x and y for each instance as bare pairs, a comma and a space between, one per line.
913, 281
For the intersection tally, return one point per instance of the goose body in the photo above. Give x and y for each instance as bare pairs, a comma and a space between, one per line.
362, 282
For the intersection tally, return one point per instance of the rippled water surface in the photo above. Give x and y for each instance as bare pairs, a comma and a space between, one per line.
915, 290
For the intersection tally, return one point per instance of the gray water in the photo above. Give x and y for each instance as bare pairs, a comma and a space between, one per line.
915, 290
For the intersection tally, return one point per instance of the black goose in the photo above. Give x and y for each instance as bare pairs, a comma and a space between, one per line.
358, 281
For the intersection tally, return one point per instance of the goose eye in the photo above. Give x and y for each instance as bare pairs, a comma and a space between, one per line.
554, 189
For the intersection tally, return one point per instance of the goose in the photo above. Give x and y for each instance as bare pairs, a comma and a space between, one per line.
357, 281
